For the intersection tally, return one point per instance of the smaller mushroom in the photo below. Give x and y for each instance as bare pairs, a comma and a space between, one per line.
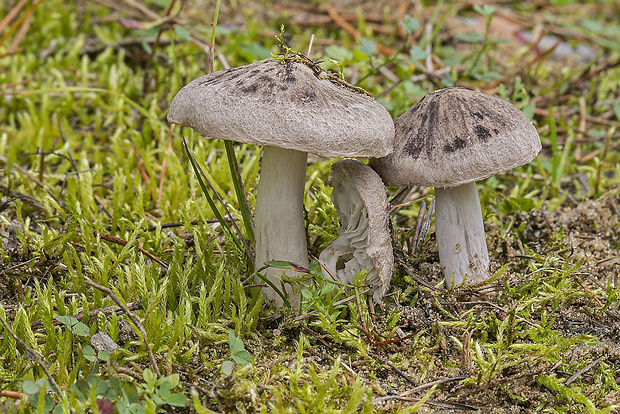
364, 243
449, 140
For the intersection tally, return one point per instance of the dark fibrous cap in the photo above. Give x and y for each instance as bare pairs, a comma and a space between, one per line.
456, 136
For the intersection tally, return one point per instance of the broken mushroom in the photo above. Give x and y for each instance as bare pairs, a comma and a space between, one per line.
290, 108
449, 140
364, 243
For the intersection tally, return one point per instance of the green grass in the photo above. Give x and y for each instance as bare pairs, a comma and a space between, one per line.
92, 183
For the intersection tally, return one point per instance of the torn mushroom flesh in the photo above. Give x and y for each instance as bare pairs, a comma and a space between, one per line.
364, 240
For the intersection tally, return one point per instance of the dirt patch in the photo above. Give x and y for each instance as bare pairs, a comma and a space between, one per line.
592, 233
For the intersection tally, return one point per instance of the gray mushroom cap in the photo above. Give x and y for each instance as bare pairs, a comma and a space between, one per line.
456, 136
286, 105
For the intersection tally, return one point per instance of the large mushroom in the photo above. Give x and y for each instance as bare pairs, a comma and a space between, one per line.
290, 108
449, 140
364, 243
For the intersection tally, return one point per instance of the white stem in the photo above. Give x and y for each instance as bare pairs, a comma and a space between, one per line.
279, 219
460, 234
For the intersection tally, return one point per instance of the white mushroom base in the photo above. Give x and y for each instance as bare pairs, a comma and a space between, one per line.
460, 235
279, 219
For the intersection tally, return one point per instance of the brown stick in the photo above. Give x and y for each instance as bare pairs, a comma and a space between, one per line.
108, 309
23, 29
131, 316
347, 27
11, 15
36, 355
32, 178
582, 371
311, 332
396, 369
582, 128
123, 242
592, 119
430, 384
11, 394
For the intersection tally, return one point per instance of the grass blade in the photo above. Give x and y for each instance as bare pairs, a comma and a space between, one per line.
275, 288
202, 179
230, 151
239, 190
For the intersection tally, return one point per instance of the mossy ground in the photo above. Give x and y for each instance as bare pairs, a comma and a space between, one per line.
96, 188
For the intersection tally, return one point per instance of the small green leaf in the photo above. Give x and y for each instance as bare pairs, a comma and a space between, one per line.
529, 110
73, 324
239, 354
158, 399
410, 24
417, 53
177, 400
136, 408
470, 37
101, 386
59, 409
242, 357
339, 53
282, 264
65, 320
617, 110
164, 390
367, 47
89, 353
327, 289
182, 33
149, 377
174, 380
315, 268
227, 368
80, 329
485, 10
234, 343
30, 387
103, 355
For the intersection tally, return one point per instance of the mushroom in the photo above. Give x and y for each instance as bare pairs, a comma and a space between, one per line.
364, 243
291, 108
449, 140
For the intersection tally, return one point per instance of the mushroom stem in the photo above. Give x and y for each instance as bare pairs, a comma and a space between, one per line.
279, 220
460, 234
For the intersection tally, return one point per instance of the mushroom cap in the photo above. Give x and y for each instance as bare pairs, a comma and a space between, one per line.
365, 242
456, 136
287, 105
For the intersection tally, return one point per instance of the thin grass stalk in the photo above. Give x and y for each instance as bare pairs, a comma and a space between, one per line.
244, 207
230, 151
274, 287
201, 180
212, 54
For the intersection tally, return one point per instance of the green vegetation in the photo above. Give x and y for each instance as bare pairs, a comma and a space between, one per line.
106, 226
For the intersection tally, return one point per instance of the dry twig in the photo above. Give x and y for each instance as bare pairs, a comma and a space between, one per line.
123, 242
37, 356
131, 316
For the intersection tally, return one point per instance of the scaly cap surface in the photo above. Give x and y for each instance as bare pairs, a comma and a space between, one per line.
456, 136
